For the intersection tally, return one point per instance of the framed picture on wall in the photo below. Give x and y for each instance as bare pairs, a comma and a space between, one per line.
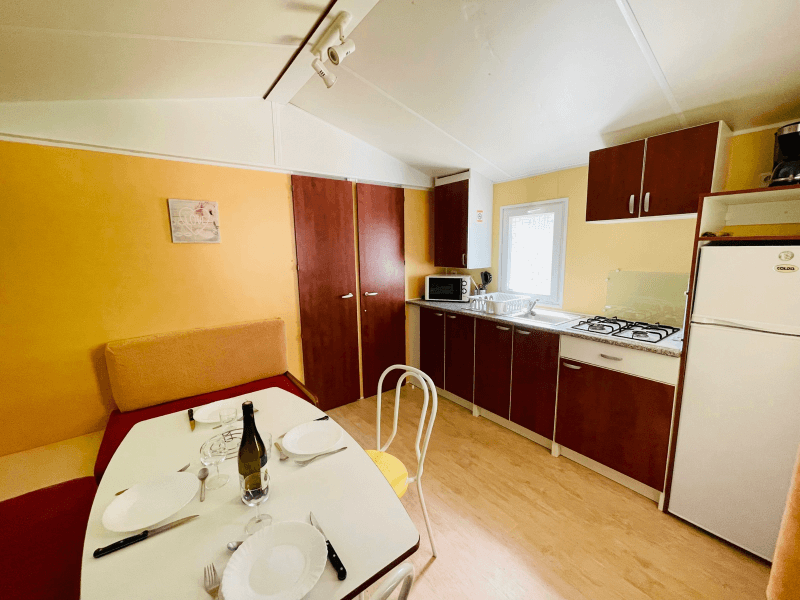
193, 221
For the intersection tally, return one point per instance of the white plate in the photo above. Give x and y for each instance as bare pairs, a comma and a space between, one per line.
312, 438
150, 502
209, 413
280, 562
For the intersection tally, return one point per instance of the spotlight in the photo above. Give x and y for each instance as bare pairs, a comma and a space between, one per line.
328, 77
338, 53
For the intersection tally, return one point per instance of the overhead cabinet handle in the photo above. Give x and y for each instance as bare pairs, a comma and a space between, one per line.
346, 296
370, 293
647, 202
502, 328
464, 260
609, 357
630, 205
569, 366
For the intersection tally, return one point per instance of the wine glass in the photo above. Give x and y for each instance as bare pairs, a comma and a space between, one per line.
227, 415
255, 491
213, 452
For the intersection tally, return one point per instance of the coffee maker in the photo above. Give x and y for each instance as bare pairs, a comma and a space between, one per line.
786, 157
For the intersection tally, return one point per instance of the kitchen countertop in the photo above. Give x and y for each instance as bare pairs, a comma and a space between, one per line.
672, 346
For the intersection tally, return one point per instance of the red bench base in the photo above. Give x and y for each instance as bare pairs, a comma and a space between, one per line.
119, 424
43, 534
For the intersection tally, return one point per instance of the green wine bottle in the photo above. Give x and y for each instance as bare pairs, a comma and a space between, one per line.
252, 457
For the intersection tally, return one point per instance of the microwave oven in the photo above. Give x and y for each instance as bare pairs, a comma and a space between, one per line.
447, 288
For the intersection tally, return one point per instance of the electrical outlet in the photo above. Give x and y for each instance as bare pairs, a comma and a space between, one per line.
765, 177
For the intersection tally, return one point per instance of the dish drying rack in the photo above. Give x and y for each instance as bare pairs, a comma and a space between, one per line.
499, 303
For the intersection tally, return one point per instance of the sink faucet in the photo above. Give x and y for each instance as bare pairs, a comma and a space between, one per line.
533, 305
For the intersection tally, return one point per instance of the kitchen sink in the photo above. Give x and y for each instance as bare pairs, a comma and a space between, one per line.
547, 317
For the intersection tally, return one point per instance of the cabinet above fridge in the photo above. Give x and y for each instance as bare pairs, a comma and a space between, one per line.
462, 221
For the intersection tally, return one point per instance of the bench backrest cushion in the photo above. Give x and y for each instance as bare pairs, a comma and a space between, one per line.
159, 368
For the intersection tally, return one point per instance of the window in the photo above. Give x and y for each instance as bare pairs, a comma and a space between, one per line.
532, 247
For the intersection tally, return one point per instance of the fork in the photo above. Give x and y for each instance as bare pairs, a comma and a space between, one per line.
303, 463
211, 580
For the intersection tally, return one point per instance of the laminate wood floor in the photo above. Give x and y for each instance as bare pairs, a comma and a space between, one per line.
511, 521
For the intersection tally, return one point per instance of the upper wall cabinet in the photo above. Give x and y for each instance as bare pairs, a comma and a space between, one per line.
657, 177
462, 221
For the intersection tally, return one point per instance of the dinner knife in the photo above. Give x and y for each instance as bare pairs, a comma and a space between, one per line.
332, 556
128, 541
191, 419
325, 418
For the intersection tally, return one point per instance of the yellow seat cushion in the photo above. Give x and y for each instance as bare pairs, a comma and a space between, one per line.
394, 470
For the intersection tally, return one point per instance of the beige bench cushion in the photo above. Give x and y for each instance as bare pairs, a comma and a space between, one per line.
159, 368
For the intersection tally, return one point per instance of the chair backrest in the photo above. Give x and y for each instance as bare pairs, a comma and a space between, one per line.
428, 388
403, 574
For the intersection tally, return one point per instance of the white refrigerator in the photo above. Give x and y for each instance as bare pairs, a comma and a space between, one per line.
739, 428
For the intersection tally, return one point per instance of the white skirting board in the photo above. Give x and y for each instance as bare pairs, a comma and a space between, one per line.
558, 449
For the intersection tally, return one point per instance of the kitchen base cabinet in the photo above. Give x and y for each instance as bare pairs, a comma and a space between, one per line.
459, 358
431, 344
534, 376
493, 366
616, 419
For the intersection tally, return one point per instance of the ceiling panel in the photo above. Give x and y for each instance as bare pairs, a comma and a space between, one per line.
530, 86
267, 21
37, 65
736, 60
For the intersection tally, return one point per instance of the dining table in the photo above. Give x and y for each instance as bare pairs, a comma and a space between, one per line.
356, 506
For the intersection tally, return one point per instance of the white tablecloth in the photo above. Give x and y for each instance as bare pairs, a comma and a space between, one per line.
355, 505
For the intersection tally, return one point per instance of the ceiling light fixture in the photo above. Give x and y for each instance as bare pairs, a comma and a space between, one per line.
325, 45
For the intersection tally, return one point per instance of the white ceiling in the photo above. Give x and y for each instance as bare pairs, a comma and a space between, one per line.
509, 88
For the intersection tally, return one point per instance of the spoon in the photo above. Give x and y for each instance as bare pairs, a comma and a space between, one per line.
284, 456
233, 546
201, 475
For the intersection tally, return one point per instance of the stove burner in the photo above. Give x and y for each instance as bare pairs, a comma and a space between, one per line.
645, 332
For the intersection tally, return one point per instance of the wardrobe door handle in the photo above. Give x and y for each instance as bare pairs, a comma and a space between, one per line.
370, 293
630, 205
609, 357
647, 202
502, 328
569, 366
346, 296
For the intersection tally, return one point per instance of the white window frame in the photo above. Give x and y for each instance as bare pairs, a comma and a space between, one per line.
556, 299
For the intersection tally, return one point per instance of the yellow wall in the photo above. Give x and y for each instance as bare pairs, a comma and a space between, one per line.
750, 157
86, 257
418, 240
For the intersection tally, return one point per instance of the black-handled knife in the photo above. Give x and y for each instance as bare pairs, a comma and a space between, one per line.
129, 541
336, 562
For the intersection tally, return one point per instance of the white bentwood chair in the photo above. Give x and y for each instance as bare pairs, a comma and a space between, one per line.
403, 574
391, 467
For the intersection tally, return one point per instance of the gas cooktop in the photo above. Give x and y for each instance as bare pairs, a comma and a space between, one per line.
634, 330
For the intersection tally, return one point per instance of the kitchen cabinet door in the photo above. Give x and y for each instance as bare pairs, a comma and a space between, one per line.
493, 366
618, 420
382, 268
534, 376
323, 224
615, 180
450, 211
431, 344
459, 358
679, 167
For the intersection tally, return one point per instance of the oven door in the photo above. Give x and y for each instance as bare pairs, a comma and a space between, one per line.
446, 289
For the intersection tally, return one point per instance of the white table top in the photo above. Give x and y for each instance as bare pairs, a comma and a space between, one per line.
355, 505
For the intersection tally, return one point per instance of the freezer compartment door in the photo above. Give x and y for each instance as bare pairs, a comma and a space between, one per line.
740, 285
738, 434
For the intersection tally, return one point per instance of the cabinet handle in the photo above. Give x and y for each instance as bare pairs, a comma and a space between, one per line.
502, 328
346, 296
569, 366
451, 316
609, 357
647, 202
630, 205
370, 293
464, 260
519, 331
438, 314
